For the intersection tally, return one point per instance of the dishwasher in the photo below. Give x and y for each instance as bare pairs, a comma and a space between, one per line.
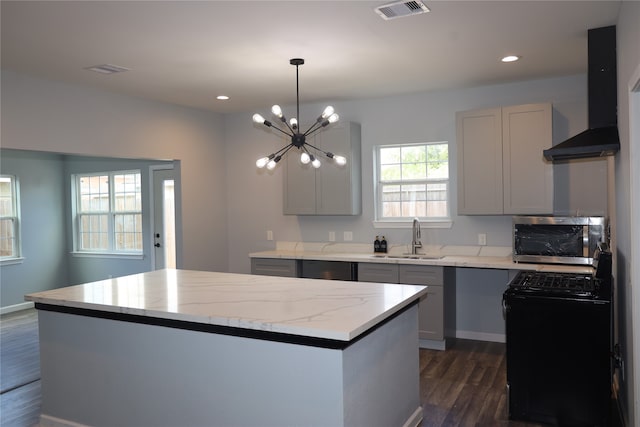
330, 270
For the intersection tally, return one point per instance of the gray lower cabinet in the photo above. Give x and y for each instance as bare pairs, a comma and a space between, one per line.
377, 273
274, 267
431, 318
437, 311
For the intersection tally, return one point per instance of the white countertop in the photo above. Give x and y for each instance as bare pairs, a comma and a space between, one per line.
306, 307
447, 256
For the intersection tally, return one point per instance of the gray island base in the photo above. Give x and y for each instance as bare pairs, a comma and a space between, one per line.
111, 356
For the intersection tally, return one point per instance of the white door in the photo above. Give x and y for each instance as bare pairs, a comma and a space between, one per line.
164, 230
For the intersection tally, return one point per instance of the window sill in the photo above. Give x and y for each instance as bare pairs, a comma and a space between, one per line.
445, 223
113, 255
11, 261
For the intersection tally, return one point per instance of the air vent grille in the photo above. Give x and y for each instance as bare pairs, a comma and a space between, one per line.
107, 69
400, 9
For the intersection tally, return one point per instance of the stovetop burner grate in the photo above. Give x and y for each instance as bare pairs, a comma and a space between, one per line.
575, 284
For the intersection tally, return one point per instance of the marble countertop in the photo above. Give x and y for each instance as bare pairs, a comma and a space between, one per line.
306, 307
495, 257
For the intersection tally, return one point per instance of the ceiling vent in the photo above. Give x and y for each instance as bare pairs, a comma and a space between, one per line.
400, 9
107, 69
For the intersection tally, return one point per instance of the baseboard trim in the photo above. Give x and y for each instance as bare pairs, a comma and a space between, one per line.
16, 307
49, 421
432, 344
481, 336
415, 419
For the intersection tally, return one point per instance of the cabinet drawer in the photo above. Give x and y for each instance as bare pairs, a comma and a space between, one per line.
380, 273
421, 275
274, 267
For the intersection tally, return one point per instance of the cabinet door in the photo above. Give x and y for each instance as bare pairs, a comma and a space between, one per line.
431, 314
380, 273
338, 188
528, 177
299, 194
479, 151
431, 307
331, 189
274, 267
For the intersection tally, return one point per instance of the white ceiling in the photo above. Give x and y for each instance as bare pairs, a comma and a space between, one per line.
187, 52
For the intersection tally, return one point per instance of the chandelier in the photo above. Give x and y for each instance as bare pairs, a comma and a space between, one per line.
298, 138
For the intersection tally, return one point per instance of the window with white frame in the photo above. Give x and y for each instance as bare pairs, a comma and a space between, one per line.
9, 218
108, 211
413, 181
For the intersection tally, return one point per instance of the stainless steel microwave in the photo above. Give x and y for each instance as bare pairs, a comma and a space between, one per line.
558, 239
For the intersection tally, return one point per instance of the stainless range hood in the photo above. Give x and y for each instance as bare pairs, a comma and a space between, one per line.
601, 139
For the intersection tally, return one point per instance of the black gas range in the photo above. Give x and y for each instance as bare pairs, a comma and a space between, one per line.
559, 346
561, 285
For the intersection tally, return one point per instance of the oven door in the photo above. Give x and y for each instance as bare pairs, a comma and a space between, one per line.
558, 359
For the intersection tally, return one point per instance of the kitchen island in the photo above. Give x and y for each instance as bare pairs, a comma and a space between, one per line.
191, 348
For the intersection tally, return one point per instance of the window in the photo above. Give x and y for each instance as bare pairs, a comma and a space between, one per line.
413, 181
109, 212
9, 218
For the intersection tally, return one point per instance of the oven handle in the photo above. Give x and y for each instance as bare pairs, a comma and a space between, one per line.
505, 308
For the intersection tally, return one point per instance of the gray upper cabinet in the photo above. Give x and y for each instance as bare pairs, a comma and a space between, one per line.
501, 169
331, 189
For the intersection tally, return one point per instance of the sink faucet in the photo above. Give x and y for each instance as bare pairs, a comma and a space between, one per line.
415, 241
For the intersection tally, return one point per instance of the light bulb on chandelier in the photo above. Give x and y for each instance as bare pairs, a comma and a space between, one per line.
298, 139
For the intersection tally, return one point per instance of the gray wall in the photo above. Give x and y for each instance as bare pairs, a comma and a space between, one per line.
43, 228
479, 303
255, 204
84, 269
401, 119
46, 224
627, 261
58, 117
217, 154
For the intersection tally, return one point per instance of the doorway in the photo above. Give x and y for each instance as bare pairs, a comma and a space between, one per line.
164, 214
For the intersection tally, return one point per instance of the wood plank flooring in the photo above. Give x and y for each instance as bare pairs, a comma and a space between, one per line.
19, 369
463, 386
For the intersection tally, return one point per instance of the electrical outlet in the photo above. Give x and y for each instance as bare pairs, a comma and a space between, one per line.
332, 236
348, 236
482, 239
269, 234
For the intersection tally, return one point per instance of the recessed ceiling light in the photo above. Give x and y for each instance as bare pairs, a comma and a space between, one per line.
510, 58
222, 97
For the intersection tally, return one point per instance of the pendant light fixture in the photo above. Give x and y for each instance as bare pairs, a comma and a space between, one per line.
298, 138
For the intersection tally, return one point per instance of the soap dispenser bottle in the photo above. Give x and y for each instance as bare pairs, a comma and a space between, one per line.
383, 245
376, 245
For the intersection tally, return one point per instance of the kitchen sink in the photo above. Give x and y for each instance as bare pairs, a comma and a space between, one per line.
409, 256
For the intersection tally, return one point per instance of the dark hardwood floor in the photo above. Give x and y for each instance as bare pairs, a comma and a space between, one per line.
463, 386
19, 369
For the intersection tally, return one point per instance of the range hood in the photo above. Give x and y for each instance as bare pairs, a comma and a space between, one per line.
601, 139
